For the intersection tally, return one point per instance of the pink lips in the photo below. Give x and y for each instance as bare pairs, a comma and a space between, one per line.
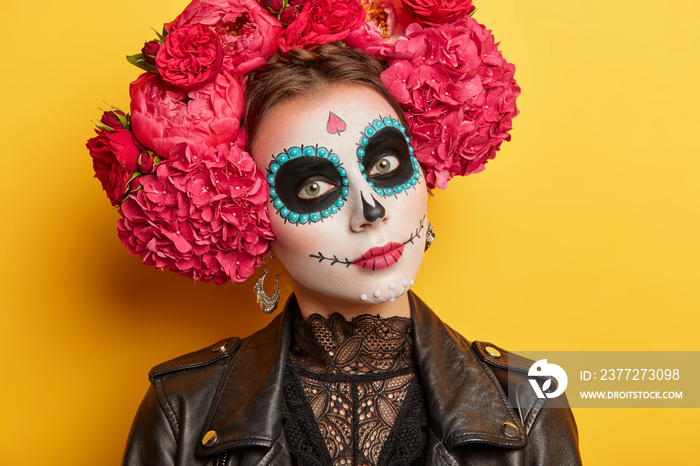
380, 257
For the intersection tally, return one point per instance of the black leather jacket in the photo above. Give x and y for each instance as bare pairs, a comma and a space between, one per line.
222, 405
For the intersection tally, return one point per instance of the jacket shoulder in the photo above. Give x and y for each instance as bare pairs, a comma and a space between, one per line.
510, 369
169, 421
203, 357
499, 358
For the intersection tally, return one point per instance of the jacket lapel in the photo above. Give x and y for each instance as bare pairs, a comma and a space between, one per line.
465, 401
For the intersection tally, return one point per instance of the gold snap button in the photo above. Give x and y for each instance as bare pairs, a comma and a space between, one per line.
510, 429
493, 351
210, 438
219, 347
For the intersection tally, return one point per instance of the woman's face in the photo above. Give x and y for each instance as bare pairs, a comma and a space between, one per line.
348, 201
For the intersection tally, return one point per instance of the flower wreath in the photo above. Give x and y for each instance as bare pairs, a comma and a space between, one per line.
191, 198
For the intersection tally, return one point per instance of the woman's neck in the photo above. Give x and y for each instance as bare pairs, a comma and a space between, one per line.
311, 302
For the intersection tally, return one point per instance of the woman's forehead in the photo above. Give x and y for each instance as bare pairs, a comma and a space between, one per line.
335, 119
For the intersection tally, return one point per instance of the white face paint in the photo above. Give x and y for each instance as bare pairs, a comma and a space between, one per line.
348, 202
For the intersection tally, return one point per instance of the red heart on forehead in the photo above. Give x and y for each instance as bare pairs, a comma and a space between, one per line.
335, 124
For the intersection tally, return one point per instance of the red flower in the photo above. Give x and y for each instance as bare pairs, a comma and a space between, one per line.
150, 51
162, 116
202, 215
247, 31
274, 5
190, 57
114, 157
459, 95
322, 22
113, 119
432, 12
288, 14
146, 162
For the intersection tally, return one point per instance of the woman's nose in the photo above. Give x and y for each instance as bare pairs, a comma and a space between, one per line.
374, 211
369, 211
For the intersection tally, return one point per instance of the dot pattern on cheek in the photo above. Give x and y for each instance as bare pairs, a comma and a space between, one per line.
370, 131
306, 151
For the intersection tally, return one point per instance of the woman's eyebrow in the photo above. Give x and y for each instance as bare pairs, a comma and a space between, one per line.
310, 165
384, 135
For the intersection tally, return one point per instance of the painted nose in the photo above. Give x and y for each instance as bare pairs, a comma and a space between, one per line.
371, 213
374, 211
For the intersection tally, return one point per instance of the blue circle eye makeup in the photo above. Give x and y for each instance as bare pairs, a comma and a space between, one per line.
307, 184
386, 158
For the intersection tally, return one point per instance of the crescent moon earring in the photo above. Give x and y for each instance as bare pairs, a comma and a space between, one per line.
267, 303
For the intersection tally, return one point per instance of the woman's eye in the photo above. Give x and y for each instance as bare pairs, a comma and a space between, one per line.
385, 165
314, 189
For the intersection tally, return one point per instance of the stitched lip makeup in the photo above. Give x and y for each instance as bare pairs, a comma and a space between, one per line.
380, 257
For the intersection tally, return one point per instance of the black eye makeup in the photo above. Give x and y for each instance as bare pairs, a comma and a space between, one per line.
386, 157
307, 184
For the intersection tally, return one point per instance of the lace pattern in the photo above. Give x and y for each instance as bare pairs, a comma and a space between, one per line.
351, 394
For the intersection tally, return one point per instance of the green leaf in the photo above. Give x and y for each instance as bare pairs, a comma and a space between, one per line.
102, 126
113, 107
136, 174
140, 61
161, 37
122, 120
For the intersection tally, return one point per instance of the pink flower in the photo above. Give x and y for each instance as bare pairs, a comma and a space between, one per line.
459, 96
202, 215
190, 57
386, 21
450, 46
114, 155
247, 31
431, 12
322, 22
162, 116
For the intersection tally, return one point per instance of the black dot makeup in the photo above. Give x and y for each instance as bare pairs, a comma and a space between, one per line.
386, 157
307, 184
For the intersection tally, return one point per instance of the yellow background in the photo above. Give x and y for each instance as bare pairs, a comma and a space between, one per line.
581, 235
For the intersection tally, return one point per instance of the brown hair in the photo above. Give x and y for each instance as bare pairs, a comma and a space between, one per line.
300, 72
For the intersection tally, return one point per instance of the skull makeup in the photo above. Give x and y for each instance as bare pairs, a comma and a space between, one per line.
347, 199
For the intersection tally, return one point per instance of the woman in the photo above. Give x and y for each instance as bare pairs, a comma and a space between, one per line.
356, 369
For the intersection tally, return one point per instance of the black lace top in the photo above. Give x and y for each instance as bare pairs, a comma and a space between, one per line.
351, 393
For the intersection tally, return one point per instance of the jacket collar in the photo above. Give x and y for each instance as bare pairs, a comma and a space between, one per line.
465, 401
